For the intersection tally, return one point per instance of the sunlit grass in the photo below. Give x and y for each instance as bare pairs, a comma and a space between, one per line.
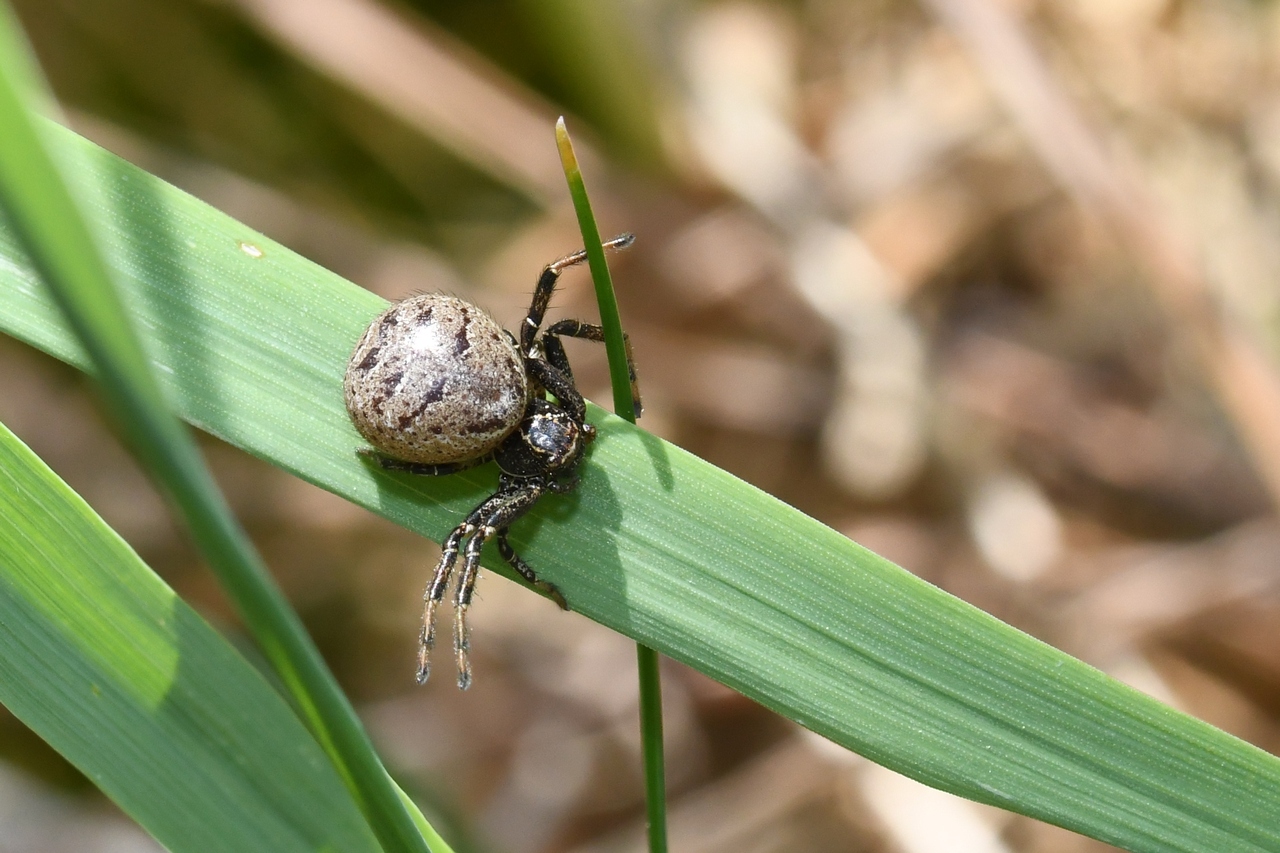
669, 550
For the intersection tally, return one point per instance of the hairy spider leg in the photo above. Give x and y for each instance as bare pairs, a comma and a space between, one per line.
589, 332
390, 463
526, 571
566, 393
546, 286
514, 505
435, 590
563, 487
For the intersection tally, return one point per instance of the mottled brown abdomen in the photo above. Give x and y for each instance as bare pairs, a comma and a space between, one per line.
435, 379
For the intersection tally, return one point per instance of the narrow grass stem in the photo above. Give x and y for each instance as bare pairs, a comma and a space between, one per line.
614, 344
619, 376
655, 787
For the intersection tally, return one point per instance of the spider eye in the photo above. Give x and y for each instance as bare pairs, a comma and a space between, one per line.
553, 436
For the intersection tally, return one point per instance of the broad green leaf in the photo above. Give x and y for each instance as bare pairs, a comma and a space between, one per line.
674, 552
104, 662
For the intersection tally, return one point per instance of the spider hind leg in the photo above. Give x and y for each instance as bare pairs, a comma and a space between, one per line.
554, 349
547, 284
390, 463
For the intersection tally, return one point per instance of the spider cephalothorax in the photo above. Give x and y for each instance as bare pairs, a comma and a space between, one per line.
437, 386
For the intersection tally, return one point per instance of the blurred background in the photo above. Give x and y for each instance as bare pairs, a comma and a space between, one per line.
991, 286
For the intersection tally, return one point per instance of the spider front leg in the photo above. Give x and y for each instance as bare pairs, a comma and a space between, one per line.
525, 571
501, 516
435, 590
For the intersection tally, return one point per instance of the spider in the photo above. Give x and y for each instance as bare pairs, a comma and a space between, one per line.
437, 387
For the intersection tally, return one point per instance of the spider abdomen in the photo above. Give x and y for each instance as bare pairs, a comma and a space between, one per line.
435, 380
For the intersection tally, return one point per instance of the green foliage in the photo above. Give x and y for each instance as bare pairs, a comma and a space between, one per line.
105, 663
60, 243
671, 551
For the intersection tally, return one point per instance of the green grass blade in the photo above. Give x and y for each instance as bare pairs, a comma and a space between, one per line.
655, 762
610, 322
433, 838
655, 786
673, 552
104, 662
45, 215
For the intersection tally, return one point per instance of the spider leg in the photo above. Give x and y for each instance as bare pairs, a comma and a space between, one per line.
390, 463
563, 388
563, 487
546, 286
590, 332
525, 571
514, 505
554, 352
435, 590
